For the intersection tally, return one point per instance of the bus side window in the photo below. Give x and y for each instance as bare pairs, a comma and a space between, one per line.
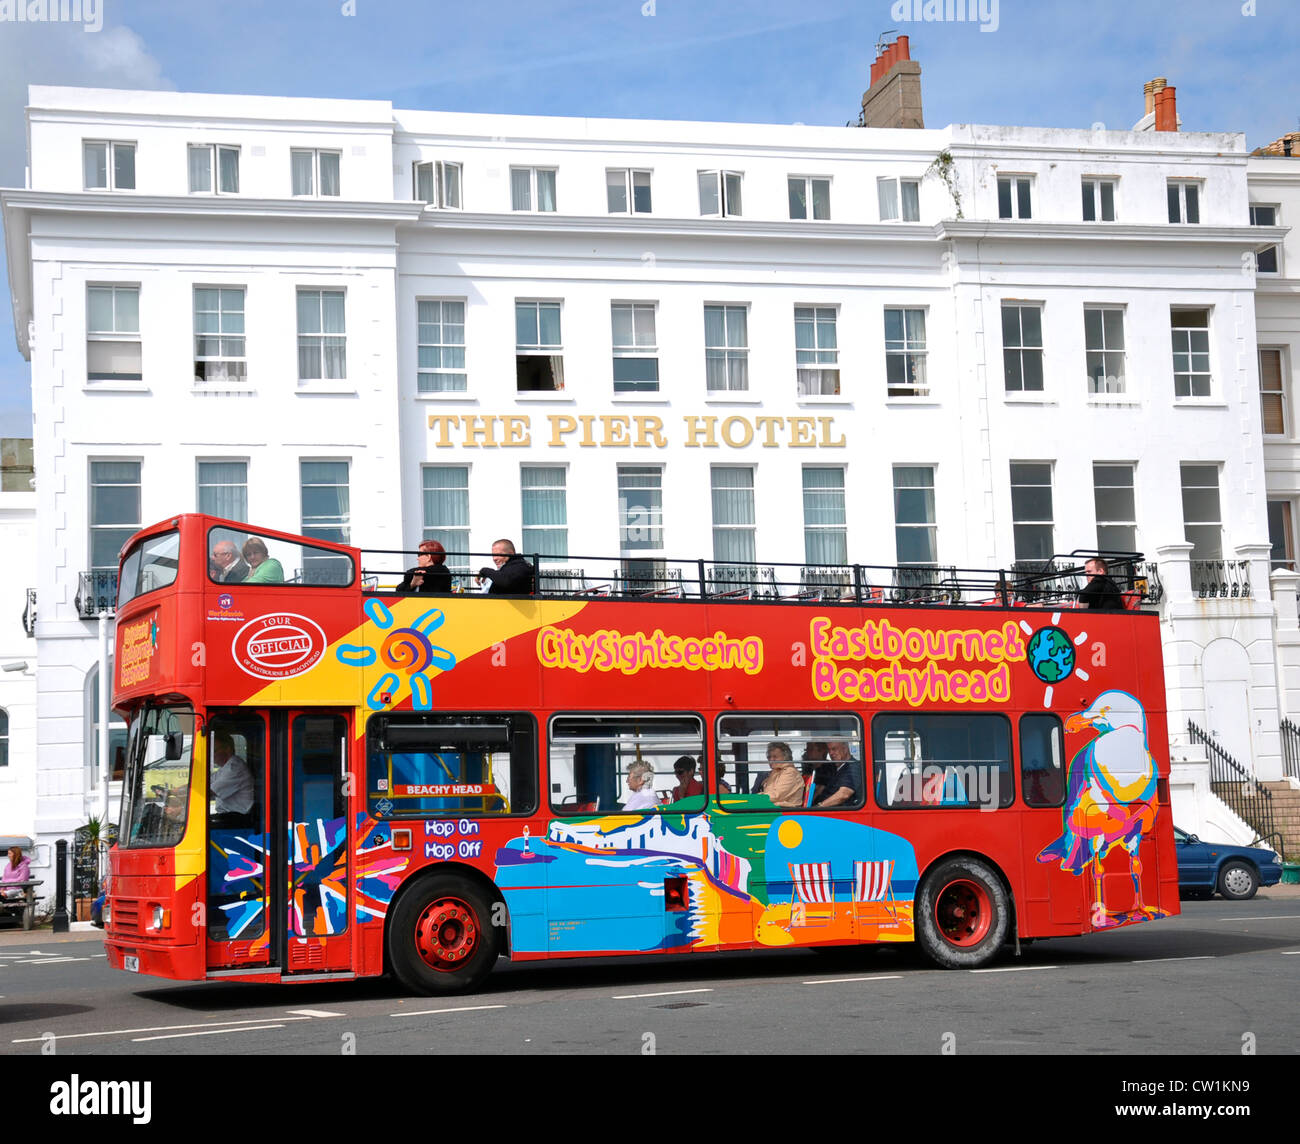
1042, 760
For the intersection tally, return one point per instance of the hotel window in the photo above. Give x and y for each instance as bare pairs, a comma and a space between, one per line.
223, 489
627, 191
825, 532
899, 200
720, 193
1031, 510
440, 363
640, 507
1202, 517
1116, 507
1103, 331
1272, 393
545, 513
322, 336
1184, 200
636, 350
4, 737
539, 351
916, 537
219, 335
1191, 340
113, 333
114, 509
1014, 196
117, 730
733, 514
1261, 215
108, 166
446, 511
205, 158
809, 198
1098, 200
726, 348
1281, 536
1022, 347
816, 352
905, 353
326, 515
314, 172
437, 183
532, 188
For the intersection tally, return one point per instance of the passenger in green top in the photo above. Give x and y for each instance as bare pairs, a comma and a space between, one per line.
265, 570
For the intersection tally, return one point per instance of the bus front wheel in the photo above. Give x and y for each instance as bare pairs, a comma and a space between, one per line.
962, 914
441, 938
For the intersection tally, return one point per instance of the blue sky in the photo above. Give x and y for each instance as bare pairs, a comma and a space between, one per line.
1047, 63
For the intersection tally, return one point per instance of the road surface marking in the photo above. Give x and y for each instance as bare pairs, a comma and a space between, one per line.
666, 993
50, 960
1259, 918
1152, 960
206, 1033
152, 1029
434, 1012
1015, 969
845, 980
314, 1013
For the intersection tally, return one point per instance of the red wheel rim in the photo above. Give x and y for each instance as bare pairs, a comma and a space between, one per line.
963, 912
446, 934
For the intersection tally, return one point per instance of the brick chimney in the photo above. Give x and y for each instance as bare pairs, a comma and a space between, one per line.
893, 98
1287, 147
1166, 109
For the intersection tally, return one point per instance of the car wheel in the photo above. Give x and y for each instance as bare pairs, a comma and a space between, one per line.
1238, 881
441, 938
962, 914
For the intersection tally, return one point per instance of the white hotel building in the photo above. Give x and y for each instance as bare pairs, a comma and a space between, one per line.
779, 343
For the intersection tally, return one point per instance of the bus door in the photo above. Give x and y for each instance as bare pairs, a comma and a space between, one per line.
318, 853
239, 843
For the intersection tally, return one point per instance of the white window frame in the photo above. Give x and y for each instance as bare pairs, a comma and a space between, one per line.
1112, 383
1287, 519
911, 351
1020, 191
1281, 393
239, 360
124, 337
930, 525
319, 338
745, 530
721, 188
110, 163
555, 352
127, 528
559, 532
809, 196
832, 506
453, 535
629, 176
1191, 374
446, 183
315, 192
637, 349
735, 358
213, 152
817, 367
457, 377
200, 484
1181, 204
1020, 349
1018, 523
1276, 251
893, 204
1094, 198
534, 201
1188, 525
654, 524
1105, 520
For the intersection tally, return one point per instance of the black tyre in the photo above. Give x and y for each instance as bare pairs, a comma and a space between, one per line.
440, 936
962, 914
1238, 881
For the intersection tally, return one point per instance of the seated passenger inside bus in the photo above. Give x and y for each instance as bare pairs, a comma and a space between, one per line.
265, 568
782, 784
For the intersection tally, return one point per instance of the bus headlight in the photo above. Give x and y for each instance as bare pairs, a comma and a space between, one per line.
160, 918
106, 915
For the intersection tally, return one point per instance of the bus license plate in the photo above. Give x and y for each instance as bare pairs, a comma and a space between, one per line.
131, 964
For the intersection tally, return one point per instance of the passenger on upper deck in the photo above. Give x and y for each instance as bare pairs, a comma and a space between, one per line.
266, 569
431, 573
227, 566
513, 575
1101, 591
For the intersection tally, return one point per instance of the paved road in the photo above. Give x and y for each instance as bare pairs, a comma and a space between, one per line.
1220, 976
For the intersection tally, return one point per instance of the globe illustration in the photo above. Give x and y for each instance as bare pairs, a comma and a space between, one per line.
1051, 654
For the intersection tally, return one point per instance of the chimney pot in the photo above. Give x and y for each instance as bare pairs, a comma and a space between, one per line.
1166, 109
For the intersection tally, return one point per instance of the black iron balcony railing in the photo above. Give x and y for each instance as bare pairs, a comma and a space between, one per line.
96, 592
1222, 579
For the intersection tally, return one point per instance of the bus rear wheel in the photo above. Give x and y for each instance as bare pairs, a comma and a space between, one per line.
962, 914
440, 936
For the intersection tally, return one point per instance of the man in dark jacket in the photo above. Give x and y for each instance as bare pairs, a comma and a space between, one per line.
512, 576
431, 573
1101, 591
226, 565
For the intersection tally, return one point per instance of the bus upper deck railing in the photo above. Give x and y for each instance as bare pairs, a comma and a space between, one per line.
652, 576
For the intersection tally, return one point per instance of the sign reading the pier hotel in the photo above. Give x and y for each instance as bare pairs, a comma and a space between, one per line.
636, 431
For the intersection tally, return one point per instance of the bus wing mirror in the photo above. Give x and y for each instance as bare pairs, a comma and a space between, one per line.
175, 746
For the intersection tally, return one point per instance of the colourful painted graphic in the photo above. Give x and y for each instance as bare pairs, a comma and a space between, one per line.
407, 649
379, 869
1110, 801
237, 883
318, 889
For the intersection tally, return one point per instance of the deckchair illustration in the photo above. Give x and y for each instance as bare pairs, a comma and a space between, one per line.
874, 882
812, 888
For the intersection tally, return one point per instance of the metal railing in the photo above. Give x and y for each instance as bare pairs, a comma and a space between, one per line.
1290, 749
1237, 787
1221, 579
29, 613
96, 592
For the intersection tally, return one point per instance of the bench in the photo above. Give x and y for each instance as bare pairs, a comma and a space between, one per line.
24, 905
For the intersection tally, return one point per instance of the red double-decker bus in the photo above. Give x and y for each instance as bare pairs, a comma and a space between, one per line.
329, 779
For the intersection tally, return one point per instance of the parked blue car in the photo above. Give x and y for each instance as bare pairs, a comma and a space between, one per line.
1205, 868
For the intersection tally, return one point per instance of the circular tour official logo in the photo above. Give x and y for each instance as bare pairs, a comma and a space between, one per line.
278, 646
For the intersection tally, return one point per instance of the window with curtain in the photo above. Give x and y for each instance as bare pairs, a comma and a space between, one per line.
326, 515
532, 188
720, 193
322, 336
223, 489
114, 509
733, 515
545, 514
825, 533
1272, 393
899, 200
205, 158
627, 191
1031, 509
1103, 328
1022, 347
916, 536
437, 183
1116, 507
440, 366
446, 511
905, 353
640, 507
108, 166
636, 350
113, 348
219, 335
726, 348
314, 172
809, 198
816, 351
